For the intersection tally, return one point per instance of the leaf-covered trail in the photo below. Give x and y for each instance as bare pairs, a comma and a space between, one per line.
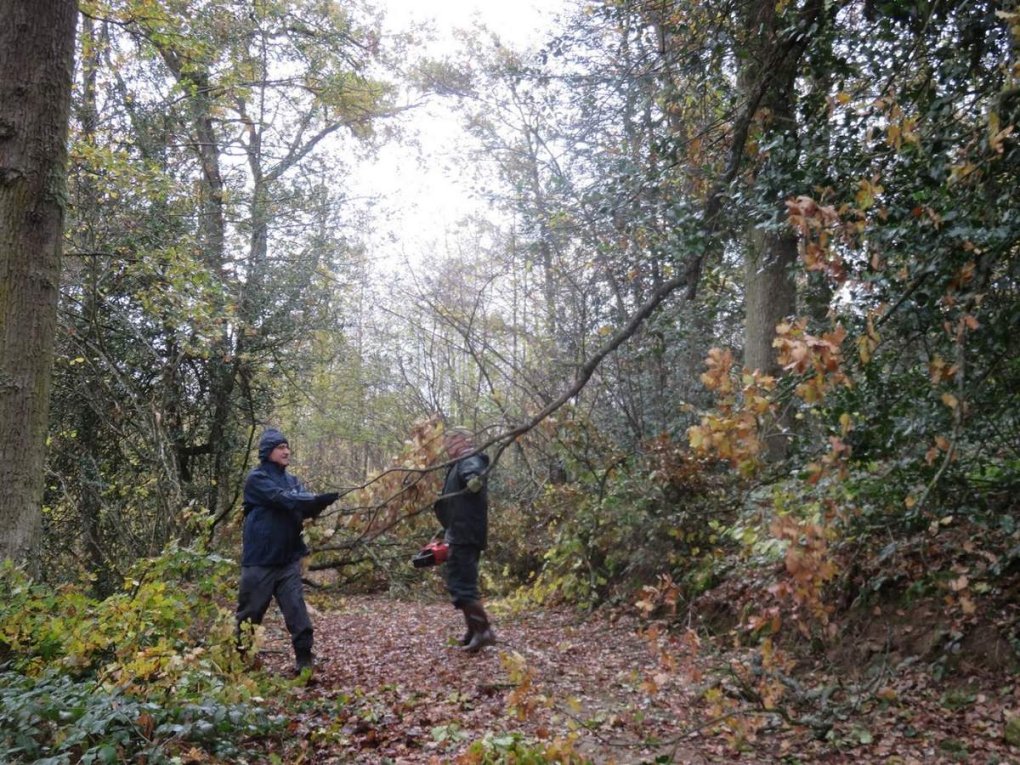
391, 685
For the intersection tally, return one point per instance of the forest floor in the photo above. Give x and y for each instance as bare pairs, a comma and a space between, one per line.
391, 686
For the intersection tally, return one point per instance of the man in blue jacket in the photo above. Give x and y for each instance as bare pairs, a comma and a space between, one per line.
275, 507
463, 511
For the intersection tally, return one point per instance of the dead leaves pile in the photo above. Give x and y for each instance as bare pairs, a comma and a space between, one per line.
391, 686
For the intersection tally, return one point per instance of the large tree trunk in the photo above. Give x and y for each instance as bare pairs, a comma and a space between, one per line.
770, 296
770, 290
36, 72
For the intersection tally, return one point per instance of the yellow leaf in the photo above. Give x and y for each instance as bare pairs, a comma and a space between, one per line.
960, 172
864, 349
865, 198
893, 135
950, 400
997, 139
695, 437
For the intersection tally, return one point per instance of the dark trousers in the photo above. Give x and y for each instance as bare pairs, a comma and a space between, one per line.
260, 584
462, 574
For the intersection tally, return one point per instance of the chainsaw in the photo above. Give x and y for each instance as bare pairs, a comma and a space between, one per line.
432, 554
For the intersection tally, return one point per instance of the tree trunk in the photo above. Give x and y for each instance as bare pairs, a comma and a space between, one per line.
36, 71
770, 290
770, 296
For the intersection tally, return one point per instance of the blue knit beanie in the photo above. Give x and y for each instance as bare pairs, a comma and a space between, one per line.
269, 441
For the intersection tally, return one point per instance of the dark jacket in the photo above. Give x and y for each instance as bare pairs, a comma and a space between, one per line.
465, 514
275, 506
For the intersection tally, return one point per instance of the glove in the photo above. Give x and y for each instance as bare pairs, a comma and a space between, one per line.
475, 484
328, 499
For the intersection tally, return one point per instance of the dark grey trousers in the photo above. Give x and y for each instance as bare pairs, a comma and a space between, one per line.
462, 574
260, 584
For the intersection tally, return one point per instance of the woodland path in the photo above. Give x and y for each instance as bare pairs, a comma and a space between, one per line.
391, 685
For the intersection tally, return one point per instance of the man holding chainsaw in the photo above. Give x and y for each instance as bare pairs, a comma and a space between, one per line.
463, 512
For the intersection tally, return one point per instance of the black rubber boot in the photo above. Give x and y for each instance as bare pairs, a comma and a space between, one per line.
470, 628
479, 622
303, 661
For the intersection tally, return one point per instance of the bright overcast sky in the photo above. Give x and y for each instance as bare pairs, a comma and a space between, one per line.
419, 203
516, 21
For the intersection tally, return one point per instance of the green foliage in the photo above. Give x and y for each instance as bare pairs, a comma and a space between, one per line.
195, 282
53, 719
142, 672
615, 529
165, 623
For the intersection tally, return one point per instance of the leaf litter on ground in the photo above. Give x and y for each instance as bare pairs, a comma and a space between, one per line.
391, 686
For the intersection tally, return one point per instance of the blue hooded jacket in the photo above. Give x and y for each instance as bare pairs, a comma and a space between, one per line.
275, 507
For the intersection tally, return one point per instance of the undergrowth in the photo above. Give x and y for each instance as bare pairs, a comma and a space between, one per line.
134, 677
